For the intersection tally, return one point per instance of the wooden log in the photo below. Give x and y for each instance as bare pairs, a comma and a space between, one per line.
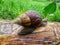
42, 35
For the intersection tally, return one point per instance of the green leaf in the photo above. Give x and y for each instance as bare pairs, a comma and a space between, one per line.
49, 9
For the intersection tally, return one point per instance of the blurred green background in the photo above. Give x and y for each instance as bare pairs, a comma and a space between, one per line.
10, 9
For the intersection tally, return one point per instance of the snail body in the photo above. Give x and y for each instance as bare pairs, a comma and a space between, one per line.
29, 18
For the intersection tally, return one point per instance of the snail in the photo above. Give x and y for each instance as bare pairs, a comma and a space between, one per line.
30, 20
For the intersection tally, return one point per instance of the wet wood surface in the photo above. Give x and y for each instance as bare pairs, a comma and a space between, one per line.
49, 34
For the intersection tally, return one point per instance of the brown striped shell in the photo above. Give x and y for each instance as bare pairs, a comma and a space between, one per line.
34, 16
29, 18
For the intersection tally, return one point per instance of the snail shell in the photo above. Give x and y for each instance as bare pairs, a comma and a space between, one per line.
29, 18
